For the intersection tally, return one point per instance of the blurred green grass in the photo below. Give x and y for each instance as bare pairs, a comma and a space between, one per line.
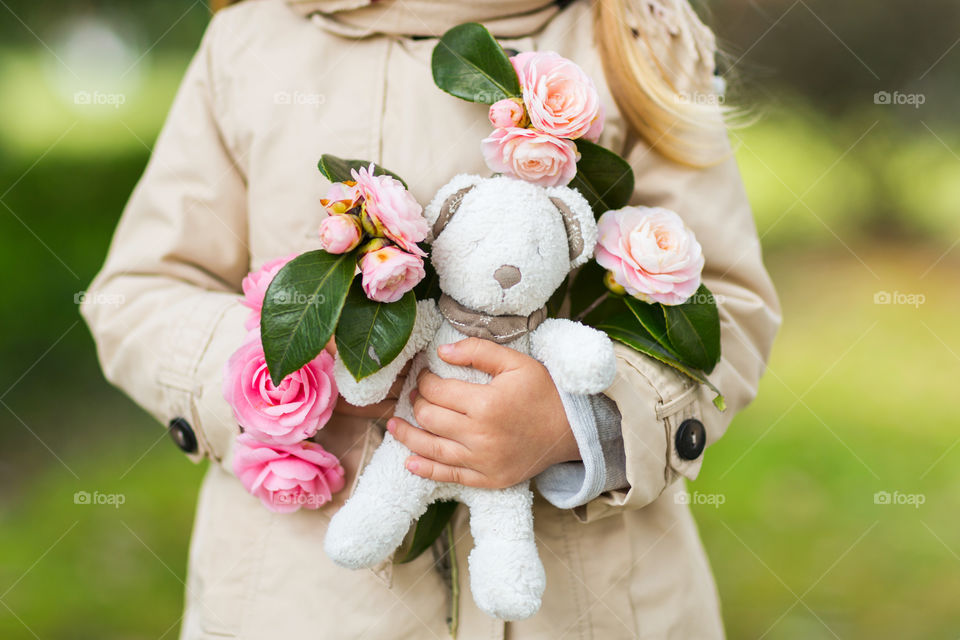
857, 399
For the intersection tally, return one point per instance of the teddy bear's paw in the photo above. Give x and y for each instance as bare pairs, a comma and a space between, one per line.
363, 535
507, 578
370, 390
580, 359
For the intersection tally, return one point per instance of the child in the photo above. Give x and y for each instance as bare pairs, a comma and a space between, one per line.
233, 183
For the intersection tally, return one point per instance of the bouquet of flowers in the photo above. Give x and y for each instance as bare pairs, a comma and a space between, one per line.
644, 289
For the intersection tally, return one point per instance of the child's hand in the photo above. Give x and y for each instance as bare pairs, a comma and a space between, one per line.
486, 435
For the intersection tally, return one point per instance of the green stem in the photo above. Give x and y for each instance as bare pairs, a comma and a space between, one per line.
454, 582
593, 305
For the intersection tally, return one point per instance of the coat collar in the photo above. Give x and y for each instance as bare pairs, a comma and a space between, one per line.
361, 18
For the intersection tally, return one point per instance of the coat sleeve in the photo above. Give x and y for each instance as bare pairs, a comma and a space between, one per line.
654, 400
174, 268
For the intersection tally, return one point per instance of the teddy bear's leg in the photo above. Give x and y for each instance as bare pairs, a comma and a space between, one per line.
506, 575
373, 522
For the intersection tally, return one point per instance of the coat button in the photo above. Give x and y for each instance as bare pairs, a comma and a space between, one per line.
183, 435
691, 439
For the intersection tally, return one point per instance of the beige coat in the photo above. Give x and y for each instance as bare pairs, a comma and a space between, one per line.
233, 183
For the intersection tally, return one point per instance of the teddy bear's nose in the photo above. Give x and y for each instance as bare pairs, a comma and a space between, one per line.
507, 275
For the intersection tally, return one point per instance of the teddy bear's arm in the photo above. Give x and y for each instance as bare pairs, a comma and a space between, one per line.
376, 386
580, 359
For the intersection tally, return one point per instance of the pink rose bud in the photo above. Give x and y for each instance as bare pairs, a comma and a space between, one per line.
610, 282
255, 287
531, 155
388, 273
560, 98
287, 477
391, 210
650, 253
341, 197
290, 412
508, 112
340, 233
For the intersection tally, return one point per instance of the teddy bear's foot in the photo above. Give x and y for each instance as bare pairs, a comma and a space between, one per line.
507, 578
373, 522
506, 575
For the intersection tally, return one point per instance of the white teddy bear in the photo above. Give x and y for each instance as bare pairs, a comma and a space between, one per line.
500, 247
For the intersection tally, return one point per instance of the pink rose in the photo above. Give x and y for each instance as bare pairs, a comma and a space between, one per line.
392, 209
531, 155
341, 197
287, 477
340, 233
560, 98
388, 273
255, 287
650, 253
506, 113
284, 414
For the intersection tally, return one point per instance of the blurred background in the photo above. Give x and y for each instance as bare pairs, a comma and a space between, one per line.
828, 510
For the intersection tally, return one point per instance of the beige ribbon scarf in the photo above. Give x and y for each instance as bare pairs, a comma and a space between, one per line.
477, 324
361, 18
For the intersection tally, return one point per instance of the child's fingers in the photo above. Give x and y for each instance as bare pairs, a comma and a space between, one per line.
484, 355
438, 420
427, 444
447, 392
426, 468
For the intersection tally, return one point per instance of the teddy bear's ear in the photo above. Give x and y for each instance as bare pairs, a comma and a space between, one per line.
446, 202
579, 222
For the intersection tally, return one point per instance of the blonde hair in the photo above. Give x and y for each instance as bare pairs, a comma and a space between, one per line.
679, 126
683, 130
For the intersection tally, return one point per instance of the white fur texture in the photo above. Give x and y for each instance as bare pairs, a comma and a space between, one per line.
500, 222
580, 359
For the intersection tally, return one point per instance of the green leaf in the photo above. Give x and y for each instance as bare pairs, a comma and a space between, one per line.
469, 64
429, 287
371, 334
301, 308
651, 317
337, 169
624, 329
694, 329
427, 529
604, 178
